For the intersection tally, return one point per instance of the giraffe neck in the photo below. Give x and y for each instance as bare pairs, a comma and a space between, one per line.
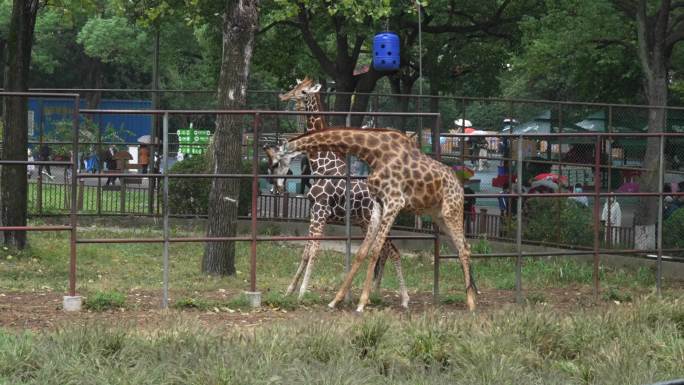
314, 122
373, 146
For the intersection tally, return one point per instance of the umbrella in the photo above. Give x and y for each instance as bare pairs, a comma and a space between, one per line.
462, 122
552, 177
629, 187
473, 131
145, 139
463, 172
548, 183
500, 180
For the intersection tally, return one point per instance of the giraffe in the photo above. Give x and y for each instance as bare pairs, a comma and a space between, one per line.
328, 195
402, 178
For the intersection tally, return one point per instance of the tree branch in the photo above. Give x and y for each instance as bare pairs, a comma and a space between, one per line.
288, 23
327, 64
628, 7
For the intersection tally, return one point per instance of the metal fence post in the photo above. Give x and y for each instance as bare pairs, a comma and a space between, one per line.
347, 219
165, 208
73, 212
659, 239
436, 149
597, 217
255, 192
518, 229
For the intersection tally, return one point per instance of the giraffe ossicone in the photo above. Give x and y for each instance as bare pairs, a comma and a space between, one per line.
401, 177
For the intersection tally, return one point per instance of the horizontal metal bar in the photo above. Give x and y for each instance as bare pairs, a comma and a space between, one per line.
41, 94
36, 162
563, 134
255, 112
264, 176
424, 96
241, 239
565, 253
35, 228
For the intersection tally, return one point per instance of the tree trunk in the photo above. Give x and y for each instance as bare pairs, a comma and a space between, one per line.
344, 87
240, 23
647, 210
13, 183
364, 85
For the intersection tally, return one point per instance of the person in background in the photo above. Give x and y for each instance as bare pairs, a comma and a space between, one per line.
144, 158
110, 163
469, 209
582, 200
44, 156
611, 218
507, 205
30, 168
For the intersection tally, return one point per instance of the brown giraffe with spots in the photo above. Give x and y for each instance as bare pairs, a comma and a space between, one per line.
401, 178
328, 196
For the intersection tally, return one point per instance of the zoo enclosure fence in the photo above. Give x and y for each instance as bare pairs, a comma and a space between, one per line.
434, 142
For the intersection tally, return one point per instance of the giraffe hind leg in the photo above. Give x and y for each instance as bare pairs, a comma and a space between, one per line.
361, 254
454, 229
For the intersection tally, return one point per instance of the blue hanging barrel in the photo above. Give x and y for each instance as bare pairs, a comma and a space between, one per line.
386, 51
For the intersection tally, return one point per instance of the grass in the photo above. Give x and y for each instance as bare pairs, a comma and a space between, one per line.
639, 343
124, 267
105, 300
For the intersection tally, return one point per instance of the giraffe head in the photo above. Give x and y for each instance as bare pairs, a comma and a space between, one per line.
279, 159
301, 91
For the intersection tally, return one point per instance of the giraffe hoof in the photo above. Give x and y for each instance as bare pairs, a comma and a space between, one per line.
332, 305
359, 310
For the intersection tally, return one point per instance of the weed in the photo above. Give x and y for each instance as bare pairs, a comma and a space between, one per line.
614, 294
192, 303
535, 298
280, 301
105, 300
370, 334
452, 299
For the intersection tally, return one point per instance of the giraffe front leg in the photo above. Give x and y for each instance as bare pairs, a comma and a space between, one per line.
316, 226
361, 254
313, 251
389, 214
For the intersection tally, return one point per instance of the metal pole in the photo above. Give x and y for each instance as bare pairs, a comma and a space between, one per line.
659, 239
597, 217
347, 221
165, 208
255, 192
436, 149
73, 212
518, 229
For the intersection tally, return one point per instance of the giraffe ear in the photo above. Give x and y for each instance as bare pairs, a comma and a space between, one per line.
299, 81
315, 88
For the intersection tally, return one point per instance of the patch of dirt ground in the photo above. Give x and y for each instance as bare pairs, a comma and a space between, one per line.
43, 310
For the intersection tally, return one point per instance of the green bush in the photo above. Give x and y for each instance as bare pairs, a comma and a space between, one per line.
190, 196
543, 223
673, 228
105, 300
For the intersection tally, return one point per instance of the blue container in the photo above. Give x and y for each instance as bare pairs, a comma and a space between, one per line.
386, 51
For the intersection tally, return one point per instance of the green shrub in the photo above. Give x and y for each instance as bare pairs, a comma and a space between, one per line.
543, 223
105, 300
190, 196
673, 228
